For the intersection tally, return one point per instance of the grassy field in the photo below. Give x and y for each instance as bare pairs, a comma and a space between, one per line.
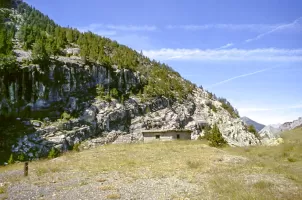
170, 170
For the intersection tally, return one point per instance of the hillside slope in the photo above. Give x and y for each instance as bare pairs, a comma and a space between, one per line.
59, 87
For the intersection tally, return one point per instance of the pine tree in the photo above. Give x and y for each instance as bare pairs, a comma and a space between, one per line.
215, 137
251, 129
39, 52
69, 35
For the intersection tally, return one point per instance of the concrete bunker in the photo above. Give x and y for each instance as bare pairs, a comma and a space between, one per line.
166, 135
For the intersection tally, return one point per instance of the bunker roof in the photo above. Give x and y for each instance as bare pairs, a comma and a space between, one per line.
167, 130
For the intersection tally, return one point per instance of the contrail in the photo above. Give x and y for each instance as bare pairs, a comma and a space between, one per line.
273, 30
241, 76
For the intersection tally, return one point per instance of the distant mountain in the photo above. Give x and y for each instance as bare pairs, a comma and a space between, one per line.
291, 125
249, 121
269, 132
273, 131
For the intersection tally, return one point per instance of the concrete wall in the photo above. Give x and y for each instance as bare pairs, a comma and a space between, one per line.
166, 136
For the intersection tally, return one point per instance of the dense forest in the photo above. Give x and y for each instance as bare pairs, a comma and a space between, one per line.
7, 32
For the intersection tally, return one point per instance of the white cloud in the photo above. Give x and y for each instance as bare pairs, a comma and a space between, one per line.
268, 54
297, 106
110, 27
131, 28
137, 42
105, 32
234, 27
226, 46
278, 28
272, 115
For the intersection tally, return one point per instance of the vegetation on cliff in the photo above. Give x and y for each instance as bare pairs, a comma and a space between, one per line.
46, 40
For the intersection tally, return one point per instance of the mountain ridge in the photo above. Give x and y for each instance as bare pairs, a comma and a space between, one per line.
271, 132
249, 121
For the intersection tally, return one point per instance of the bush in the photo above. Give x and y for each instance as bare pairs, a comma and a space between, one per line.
147, 109
53, 153
100, 91
11, 159
21, 157
65, 116
114, 93
214, 108
215, 137
291, 159
251, 129
76, 147
108, 98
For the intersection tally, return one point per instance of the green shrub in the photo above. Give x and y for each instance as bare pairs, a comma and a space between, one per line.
21, 157
76, 147
292, 159
108, 98
53, 153
114, 93
214, 108
252, 129
215, 137
65, 116
3, 189
148, 109
100, 91
11, 159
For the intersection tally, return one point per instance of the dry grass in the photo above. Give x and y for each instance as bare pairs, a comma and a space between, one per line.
3, 189
113, 196
107, 187
101, 180
229, 173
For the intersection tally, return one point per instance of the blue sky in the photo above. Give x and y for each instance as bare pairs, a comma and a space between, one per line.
249, 52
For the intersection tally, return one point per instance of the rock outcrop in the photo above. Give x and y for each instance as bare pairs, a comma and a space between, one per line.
103, 122
269, 134
291, 125
36, 87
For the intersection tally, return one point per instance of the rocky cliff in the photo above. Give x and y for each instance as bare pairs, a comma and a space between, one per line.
104, 122
36, 87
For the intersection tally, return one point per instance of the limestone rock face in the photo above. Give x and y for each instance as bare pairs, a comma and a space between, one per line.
104, 122
69, 84
37, 87
269, 132
291, 125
